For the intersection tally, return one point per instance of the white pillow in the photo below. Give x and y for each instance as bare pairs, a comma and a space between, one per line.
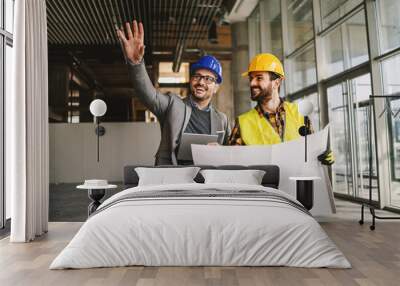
164, 176
248, 177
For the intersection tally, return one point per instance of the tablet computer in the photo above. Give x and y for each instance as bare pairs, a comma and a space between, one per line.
185, 149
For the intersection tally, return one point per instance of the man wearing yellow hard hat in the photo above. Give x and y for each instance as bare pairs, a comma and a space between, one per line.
273, 120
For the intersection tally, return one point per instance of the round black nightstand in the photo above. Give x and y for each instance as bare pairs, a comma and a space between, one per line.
305, 190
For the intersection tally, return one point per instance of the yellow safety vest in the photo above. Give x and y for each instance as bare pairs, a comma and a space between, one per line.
256, 130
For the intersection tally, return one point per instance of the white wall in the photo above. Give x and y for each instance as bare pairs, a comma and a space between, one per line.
73, 153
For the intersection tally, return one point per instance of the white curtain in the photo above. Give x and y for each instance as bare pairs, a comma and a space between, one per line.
27, 142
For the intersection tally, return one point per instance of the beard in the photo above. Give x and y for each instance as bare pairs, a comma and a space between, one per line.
261, 94
201, 92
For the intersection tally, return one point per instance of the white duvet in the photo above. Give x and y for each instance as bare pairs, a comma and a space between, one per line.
200, 231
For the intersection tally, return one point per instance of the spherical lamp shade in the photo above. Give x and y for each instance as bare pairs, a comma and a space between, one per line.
306, 107
98, 107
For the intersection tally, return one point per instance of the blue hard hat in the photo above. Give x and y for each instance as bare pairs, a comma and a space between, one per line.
209, 63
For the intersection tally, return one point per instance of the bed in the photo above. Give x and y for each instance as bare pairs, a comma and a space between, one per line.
201, 224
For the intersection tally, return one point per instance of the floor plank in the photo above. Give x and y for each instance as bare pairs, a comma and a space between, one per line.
375, 257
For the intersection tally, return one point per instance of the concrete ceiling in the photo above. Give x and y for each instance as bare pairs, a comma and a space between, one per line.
171, 27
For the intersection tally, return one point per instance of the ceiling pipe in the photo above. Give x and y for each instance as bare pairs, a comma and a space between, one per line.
87, 13
201, 21
108, 22
74, 22
70, 31
210, 18
120, 11
105, 38
172, 22
181, 42
81, 22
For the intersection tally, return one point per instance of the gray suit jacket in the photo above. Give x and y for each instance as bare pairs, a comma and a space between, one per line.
172, 112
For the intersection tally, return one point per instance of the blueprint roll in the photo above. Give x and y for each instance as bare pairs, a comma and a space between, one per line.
289, 156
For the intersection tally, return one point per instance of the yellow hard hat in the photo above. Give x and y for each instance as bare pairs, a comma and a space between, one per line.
265, 62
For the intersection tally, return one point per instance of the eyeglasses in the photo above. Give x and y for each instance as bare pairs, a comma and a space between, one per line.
207, 79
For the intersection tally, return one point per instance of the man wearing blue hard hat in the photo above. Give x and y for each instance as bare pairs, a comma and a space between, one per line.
177, 116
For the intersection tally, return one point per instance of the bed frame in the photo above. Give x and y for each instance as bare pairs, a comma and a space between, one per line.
270, 179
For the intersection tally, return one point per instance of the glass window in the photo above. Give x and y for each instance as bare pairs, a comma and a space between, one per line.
391, 85
314, 117
73, 116
9, 14
342, 170
2, 136
6, 69
346, 46
9, 64
1, 15
389, 24
333, 10
9, 61
364, 136
300, 23
273, 27
352, 137
254, 32
302, 70
394, 141
167, 75
356, 32
334, 57
391, 72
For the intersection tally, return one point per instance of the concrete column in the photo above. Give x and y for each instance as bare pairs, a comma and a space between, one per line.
240, 62
224, 100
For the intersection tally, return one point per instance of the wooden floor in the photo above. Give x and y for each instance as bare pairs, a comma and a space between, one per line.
374, 255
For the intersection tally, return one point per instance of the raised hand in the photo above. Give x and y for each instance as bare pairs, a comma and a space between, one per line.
133, 44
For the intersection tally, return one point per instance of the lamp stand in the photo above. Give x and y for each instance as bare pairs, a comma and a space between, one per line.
305, 138
307, 127
98, 138
100, 131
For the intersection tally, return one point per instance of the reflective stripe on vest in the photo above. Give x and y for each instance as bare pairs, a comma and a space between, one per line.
257, 130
